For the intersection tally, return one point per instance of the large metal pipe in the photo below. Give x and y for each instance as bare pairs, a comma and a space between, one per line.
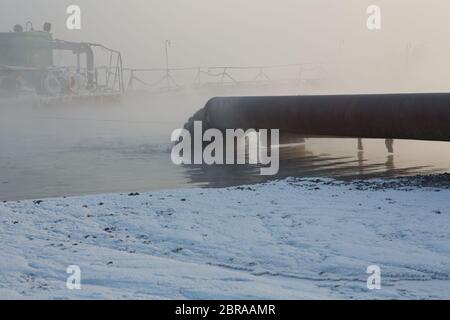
423, 116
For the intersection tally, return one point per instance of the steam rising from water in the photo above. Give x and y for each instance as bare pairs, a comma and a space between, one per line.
60, 149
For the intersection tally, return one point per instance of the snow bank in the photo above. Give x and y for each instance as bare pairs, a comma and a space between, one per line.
291, 239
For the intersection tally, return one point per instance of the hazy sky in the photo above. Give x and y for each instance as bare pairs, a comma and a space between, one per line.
411, 51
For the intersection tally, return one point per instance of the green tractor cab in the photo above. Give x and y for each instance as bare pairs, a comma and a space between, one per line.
26, 49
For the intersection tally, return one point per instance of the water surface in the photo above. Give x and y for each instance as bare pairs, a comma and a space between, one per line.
63, 150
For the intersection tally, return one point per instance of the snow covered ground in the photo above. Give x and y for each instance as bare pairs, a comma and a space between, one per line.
290, 239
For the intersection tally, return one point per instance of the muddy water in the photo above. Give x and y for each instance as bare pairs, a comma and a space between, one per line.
62, 150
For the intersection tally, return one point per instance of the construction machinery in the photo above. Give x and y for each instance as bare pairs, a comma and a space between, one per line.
27, 65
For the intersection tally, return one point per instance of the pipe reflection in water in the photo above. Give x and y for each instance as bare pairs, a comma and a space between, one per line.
323, 157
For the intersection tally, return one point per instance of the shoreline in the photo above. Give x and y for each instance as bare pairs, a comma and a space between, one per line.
287, 239
437, 181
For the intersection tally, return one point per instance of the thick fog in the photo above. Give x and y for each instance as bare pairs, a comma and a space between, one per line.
54, 150
409, 53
